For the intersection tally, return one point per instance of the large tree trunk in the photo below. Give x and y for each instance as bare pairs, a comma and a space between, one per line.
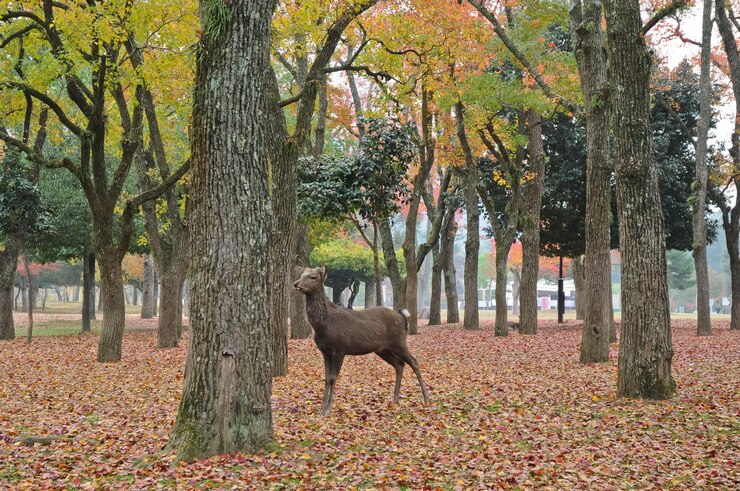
704, 321
472, 249
731, 225
8, 265
645, 349
225, 405
173, 265
531, 227
447, 258
731, 217
589, 50
147, 293
114, 317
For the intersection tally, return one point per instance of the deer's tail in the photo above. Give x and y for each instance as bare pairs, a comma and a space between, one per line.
406, 316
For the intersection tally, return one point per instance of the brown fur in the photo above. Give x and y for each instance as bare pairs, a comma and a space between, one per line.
339, 332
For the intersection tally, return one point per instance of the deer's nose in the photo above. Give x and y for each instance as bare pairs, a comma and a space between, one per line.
295, 284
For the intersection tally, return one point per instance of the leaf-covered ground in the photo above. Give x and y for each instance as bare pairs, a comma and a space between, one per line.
514, 413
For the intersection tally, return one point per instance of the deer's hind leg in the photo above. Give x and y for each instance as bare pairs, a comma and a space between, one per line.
406, 356
332, 366
396, 363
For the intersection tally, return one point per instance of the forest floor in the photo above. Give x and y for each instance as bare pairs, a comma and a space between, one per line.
516, 413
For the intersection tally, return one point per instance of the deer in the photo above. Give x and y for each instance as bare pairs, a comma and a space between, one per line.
339, 332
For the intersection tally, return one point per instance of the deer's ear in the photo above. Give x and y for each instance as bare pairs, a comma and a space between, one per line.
322, 272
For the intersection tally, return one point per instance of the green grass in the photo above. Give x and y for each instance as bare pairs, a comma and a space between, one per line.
57, 328
53, 306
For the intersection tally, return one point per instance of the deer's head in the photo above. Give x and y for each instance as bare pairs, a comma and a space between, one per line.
311, 281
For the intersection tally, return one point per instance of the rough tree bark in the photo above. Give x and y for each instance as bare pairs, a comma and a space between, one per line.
225, 405
147, 294
472, 243
645, 350
588, 39
447, 259
8, 266
530, 221
731, 216
704, 321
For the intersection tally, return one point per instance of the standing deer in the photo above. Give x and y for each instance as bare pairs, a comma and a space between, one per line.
339, 332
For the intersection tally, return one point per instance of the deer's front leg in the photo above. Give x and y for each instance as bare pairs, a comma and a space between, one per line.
327, 391
331, 381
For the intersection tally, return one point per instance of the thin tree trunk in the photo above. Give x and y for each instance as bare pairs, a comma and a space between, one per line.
58, 292
88, 289
31, 297
376, 267
531, 226
704, 321
186, 297
225, 405
76, 294
300, 328
93, 286
155, 294
579, 278
135, 294
147, 294
435, 299
515, 293
8, 265
101, 301
24, 297
645, 349
589, 43
447, 258
391, 263
502, 256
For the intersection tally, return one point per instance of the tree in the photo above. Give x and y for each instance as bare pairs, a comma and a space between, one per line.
287, 147
731, 214
225, 405
24, 222
645, 349
365, 188
588, 41
91, 70
699, 227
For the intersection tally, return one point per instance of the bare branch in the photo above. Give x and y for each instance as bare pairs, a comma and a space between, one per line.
662, 14
27, 89
158, 191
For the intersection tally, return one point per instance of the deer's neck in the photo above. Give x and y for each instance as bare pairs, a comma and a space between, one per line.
317, 311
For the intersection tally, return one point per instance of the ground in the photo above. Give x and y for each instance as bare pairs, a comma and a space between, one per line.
518, 413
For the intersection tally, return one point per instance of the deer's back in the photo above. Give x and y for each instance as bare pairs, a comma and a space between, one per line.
358, 332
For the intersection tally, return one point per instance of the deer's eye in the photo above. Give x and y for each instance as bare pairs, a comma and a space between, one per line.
313, 277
